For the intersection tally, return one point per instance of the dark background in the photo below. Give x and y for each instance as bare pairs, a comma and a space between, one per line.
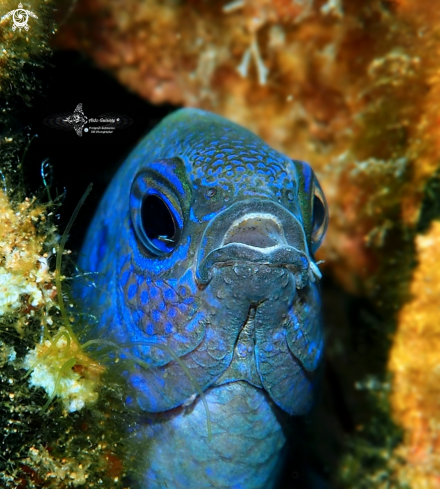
74, 162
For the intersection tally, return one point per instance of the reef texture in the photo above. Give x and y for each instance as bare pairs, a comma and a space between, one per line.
351, 87
23, 265
22, 51
415, 363
41, 444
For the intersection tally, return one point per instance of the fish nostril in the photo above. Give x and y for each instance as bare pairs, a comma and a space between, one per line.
254, 230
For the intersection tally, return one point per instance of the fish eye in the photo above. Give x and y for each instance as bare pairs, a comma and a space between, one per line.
312, 203
159, 225
319, 216
155, 215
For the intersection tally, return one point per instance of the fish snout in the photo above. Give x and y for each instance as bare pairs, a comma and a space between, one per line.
258, 232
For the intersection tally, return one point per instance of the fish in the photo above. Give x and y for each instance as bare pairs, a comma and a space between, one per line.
202, 252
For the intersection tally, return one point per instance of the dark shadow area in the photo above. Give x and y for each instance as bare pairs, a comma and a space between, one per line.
430, 203
74, 162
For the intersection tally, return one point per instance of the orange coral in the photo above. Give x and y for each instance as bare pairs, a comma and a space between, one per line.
415, 363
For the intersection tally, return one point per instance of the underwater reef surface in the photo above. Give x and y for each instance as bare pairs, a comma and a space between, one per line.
49, 435
354, 89
415, 364
351, 87
47, 442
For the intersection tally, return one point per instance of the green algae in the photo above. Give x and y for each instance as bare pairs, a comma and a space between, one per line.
43, 444
49, 447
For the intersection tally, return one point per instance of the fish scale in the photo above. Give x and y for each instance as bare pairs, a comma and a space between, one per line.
203, 252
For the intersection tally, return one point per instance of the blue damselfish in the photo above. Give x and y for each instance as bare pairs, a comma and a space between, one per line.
203, 248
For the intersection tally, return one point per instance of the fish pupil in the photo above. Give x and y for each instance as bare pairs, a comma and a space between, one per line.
158, 222
318, 214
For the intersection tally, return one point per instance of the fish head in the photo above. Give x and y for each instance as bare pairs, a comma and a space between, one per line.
205, 247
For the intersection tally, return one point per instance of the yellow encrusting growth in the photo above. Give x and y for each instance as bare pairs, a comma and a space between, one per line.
67, 470
61, 368
415, 364
36, 334
27, 286
24, 270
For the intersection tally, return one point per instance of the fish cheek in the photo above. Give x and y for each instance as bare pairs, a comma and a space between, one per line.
222, 315
160, 310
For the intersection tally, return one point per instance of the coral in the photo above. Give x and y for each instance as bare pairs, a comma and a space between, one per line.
34, 336
60, 367
415, 364
58, 470
28, 287
24, 269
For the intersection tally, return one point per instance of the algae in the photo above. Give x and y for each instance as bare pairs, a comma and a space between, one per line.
50, 435
63, 443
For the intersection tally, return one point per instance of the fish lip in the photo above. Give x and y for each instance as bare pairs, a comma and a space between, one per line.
286, 245
275, 256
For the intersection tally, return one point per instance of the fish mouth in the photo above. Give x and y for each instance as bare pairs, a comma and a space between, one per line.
232, 254
255, 233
